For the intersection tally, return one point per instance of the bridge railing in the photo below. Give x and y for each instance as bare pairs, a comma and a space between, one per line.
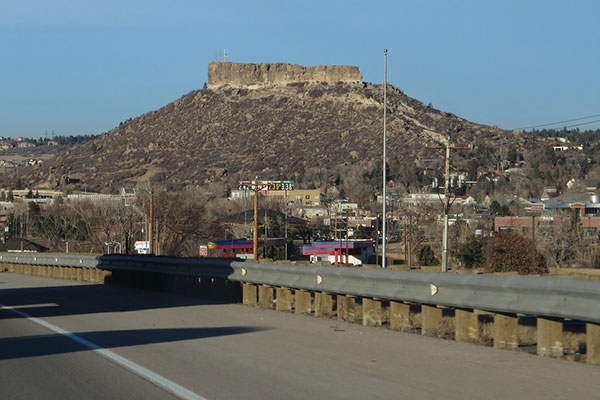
373, 296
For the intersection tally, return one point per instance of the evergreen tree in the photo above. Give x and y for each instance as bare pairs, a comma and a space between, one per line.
497, 210
470, 252
426, 256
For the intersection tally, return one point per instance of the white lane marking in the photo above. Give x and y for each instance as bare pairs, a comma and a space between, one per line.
153, 377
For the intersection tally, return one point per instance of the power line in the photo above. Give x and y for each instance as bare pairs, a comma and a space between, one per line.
561, 122
583, 123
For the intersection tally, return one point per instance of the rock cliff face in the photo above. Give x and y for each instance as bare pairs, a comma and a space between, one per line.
242, 75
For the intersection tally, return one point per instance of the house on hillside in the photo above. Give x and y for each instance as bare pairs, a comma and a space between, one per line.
20, 245
549, 193
264, 216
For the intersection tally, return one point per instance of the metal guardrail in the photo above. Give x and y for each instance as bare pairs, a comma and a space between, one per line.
215, 268
62, 260
552, 297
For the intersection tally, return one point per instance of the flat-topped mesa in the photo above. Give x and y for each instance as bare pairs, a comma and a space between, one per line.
240, 74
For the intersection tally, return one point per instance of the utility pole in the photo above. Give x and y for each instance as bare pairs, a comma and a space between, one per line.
255, 233
448, 147
257, 186
383, 258
151, 228
286, 225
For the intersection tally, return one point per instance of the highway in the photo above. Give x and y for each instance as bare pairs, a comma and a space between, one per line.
70, 340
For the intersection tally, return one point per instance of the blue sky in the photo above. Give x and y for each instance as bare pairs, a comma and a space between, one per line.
80, 67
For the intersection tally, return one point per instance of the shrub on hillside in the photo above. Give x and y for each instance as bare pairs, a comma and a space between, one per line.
509, 251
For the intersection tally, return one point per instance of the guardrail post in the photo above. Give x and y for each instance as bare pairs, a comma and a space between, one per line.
431, 320
249, 293
399, 316
371, 312
467, 325
302, 302
323, 304
86, 274
265, 296
99, 276
346, 308
550, 337
592, 337
79, 276
283, 300
107, 275
506, 331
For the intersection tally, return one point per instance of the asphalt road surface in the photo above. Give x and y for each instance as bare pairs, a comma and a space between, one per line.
69, 340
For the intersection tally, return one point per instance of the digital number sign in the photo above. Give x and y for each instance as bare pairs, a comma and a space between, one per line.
266, 185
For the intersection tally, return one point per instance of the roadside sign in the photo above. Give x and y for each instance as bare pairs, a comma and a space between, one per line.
266, 185
204, 251
142, 247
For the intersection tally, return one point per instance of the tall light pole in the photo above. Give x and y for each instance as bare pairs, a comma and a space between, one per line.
383, 258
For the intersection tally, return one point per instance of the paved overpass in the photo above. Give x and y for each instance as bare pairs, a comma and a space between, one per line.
71, 340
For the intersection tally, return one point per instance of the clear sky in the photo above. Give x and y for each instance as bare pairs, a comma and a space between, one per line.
83, 66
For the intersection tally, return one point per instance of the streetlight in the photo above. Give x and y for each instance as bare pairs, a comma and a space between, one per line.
383, 259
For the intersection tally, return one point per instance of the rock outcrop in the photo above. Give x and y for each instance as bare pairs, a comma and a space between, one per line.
242, 75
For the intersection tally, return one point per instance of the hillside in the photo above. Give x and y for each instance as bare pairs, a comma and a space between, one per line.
267, 126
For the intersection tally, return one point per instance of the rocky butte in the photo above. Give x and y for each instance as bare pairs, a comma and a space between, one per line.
244, 75
314, 125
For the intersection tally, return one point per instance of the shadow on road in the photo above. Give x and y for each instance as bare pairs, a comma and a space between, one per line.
43, 345
91, 298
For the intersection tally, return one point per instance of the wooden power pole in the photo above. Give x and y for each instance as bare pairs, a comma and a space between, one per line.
448, 147
255, 233
256, 186
151, 228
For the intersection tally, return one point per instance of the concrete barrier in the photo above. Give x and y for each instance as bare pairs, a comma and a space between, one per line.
346, 308
284, 299
431, 320
372, 314
323, 305
506, 331
302, 302
265, 296
467, 325
249, 294
550, 337
400, 316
